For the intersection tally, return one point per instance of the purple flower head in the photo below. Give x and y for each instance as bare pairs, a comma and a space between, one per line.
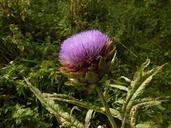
81, 49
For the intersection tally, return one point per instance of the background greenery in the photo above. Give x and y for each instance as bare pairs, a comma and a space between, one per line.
30, 36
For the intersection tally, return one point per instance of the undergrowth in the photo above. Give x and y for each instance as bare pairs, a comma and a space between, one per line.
30, 36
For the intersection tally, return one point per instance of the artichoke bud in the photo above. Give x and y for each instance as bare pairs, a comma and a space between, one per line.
86, 58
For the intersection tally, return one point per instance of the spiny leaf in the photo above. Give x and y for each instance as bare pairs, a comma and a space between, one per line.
144, 83
147, 124
143, 79
119, 87
125, 78
134, 110
63, 117
140, 81
88, 118
83, 104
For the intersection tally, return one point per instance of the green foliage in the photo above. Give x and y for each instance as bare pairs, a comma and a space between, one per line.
30, 37
30, 117
21, 116
129, 110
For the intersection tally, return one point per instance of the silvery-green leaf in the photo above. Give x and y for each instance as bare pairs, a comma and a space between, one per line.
88, 118
64, 118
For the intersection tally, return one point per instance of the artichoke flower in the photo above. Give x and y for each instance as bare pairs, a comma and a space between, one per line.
86, 57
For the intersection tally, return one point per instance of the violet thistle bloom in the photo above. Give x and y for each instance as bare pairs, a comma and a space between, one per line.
81, 50
86, 57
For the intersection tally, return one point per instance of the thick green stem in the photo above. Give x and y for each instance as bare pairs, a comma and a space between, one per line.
103, 100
